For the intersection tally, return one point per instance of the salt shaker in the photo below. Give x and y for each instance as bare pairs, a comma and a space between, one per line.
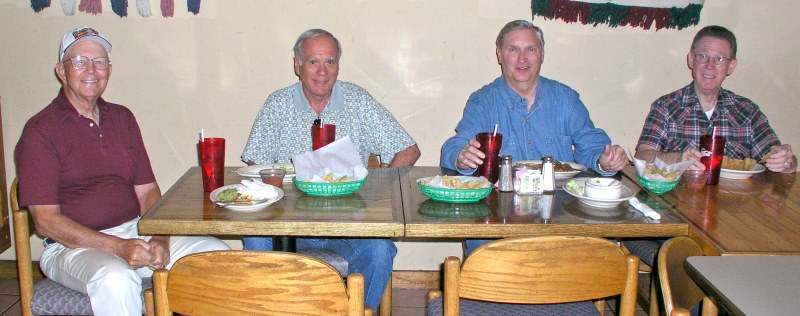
506, 181
548, 175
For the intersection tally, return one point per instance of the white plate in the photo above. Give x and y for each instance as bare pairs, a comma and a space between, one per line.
244, 208
559, 175
627, 193
252, 171
740, 174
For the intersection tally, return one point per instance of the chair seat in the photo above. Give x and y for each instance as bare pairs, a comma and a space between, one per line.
334, 259
478, 308
51, 298
645, 249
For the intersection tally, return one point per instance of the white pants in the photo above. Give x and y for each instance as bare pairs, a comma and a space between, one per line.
114, 288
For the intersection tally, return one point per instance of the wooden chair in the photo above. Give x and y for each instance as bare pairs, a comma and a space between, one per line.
516, 272
241, 282
341, 265
646, 250
374, 161
46, 297
679, 290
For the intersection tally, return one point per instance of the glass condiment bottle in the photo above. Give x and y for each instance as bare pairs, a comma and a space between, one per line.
548, 175
506, 180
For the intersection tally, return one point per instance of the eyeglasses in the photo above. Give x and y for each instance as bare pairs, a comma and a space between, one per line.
81, 62
703, 59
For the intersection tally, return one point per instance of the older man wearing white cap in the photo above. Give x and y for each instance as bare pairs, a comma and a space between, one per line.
86, 177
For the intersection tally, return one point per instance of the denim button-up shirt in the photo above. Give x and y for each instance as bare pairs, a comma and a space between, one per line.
558, 124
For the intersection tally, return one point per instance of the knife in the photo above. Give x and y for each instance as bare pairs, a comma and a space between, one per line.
644, 208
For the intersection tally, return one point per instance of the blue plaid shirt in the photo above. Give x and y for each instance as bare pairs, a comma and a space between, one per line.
676, 121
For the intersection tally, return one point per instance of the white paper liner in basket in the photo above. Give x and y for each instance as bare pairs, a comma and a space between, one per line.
680, 167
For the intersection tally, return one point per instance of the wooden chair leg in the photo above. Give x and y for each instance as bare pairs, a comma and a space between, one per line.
149, 303
709, 308
653, 294
385, 309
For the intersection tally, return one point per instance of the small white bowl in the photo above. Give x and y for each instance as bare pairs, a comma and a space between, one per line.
603, 188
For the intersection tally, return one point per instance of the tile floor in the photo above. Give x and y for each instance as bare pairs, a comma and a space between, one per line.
9, 298
405, 302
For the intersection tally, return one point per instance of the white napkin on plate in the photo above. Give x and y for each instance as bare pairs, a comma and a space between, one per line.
257, 190
339, 158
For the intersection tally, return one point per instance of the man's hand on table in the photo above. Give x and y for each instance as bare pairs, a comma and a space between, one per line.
613, 159
781, 159
470, 156
694, 155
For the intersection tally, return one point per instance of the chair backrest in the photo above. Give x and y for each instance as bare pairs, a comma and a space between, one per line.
542, 270
240, 282
679, 290
374, 161
22, 247
46, 297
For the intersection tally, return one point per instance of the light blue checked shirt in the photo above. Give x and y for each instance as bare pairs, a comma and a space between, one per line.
282, 128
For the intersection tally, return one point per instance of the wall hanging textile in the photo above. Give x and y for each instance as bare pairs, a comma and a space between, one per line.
120, 7
671, 14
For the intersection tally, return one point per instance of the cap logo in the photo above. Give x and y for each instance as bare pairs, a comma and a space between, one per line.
86, 31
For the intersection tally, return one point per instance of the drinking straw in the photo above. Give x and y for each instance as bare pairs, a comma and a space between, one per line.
714, 132
202, 135
495, 131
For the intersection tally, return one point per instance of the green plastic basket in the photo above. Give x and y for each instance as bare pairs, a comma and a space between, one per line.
658, 187
455, 210
328, 189
455, 195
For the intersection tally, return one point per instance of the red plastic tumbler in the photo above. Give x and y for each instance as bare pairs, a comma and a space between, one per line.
321, 135
712, 147
212, 162
490, 146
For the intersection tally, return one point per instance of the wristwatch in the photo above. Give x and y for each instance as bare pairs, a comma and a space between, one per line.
599, 167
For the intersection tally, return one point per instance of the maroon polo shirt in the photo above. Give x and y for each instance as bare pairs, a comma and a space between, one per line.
88, 169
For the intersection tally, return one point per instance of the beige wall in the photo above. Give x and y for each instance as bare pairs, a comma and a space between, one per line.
421, 59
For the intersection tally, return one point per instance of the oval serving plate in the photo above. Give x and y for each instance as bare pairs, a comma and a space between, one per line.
627, 193
244, 207
577, 168
741, 174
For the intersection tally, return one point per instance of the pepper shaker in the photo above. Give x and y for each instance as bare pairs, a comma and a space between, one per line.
506, 182
548, 175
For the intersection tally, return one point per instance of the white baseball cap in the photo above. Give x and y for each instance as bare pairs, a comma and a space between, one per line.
82, 34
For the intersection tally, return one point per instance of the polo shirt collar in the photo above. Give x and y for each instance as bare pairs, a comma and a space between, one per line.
300, 102
69, 110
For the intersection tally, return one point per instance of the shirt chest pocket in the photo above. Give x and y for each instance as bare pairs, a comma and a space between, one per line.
558, 140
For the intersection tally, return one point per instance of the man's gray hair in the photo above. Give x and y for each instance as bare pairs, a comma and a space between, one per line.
719, 32
312, 33
518, 25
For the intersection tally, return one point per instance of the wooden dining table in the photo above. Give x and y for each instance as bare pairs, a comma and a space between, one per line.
509, 215
755, 216
391, 205
374, 211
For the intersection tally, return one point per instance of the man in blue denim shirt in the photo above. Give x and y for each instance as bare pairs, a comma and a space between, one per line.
537, 116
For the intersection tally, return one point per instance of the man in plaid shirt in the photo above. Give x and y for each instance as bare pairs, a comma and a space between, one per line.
676, 121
